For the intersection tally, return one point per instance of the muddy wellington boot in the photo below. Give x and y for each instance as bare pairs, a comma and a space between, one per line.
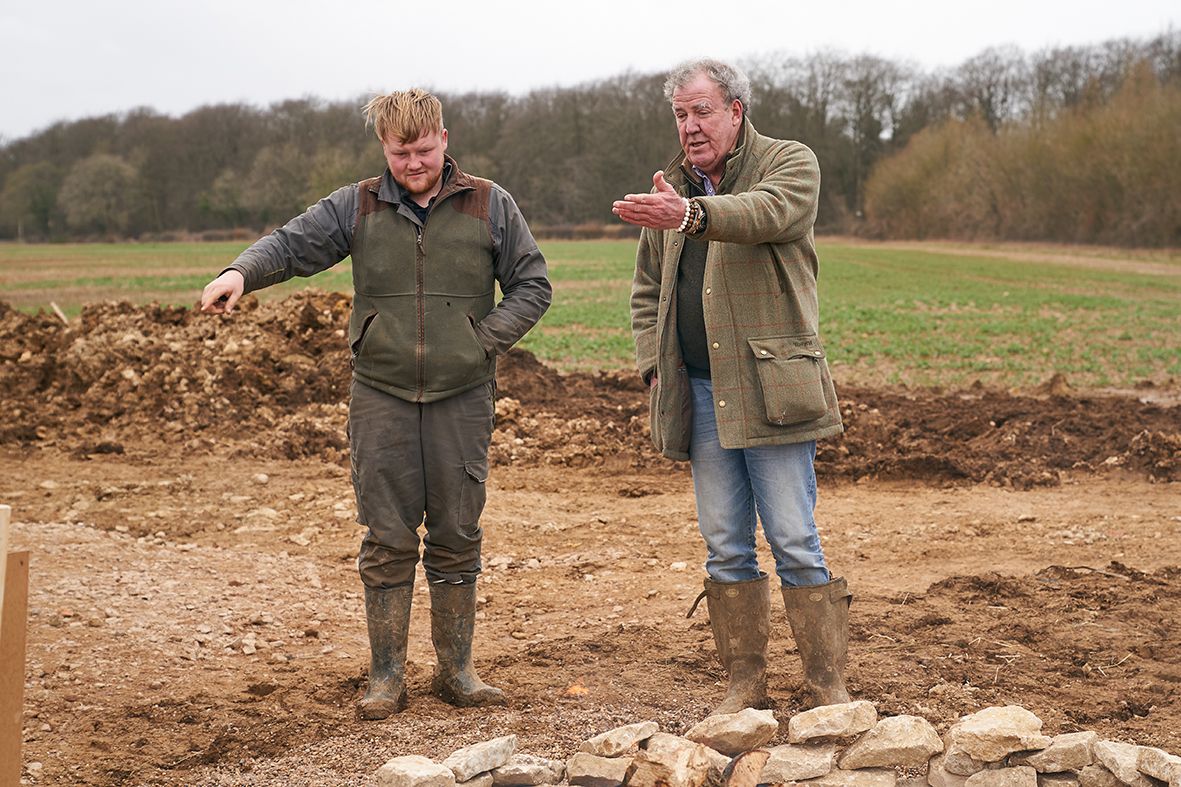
819, 618
387, 613
453, 620
739, 614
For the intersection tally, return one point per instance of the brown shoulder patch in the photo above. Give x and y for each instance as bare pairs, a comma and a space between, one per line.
474, 202
367, 196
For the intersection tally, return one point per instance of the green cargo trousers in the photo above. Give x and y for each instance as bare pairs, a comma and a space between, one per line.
414, 463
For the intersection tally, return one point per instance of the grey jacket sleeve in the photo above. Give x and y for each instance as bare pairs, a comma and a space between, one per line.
313, 241
521, 271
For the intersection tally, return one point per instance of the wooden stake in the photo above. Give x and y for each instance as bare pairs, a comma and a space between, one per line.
60, 313
14, 601
5, 518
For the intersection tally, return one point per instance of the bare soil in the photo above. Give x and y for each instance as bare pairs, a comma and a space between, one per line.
195, 616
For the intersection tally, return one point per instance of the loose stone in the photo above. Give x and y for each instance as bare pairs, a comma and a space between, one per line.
1021, 776
414, 771
1097, 776
1068, 752
1161, 765
992, 733
589, 770
613, 743
480, 757
671, 765
1123, 760
908, 741
525, 769
733, 733
832, 721
793, 762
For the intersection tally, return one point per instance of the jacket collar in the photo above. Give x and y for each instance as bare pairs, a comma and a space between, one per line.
454, 181
734, 161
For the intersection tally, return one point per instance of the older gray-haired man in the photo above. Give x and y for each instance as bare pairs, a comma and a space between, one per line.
726, 324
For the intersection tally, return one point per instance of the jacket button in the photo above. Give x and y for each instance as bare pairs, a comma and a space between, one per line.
721, 403
762, 352
709, 290
715, 345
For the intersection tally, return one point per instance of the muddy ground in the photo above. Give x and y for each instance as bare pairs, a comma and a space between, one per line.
195, 617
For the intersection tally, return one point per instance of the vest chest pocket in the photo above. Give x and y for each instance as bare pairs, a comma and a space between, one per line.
790, 376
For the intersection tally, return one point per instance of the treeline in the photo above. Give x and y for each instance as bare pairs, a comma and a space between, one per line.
977, 150
1110, 174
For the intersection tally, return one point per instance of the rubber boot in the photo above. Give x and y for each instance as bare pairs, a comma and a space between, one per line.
453, 620
739, 614
819, 618
387, 614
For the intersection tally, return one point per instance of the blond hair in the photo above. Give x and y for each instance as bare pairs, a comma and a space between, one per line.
404, 115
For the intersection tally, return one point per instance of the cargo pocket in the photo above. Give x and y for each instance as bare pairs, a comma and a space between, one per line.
472, 492
790, 374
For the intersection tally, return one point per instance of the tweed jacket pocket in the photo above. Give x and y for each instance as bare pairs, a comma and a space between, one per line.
790, 375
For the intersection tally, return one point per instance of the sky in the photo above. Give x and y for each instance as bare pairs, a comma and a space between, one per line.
66, 60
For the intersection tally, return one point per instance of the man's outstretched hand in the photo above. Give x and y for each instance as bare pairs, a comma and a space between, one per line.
222, 294
662, 210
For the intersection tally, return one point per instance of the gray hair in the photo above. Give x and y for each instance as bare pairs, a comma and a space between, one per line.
733, 81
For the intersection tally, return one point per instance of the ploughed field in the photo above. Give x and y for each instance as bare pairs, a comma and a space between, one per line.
195, 616
182, 483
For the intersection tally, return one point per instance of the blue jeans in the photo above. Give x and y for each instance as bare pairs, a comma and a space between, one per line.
731, 484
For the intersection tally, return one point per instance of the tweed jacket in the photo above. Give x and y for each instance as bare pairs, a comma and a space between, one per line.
770, 377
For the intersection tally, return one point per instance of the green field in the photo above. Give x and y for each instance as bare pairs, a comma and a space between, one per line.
919, 314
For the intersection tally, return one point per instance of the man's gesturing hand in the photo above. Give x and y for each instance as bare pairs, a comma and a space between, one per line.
222, 294
663, 210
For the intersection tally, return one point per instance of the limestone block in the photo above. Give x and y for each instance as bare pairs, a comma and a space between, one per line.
734, 733
1097, 776
482, 780
745, 770
1065, 779
907, 741
1123, 760
677, 763
478, 758
414, 771
992, 733
1069, 752
1021, 776
613, 743
525, 769
959, 762
832, 721
866, 777
589, 770
939, 776
1161, 765
793, 762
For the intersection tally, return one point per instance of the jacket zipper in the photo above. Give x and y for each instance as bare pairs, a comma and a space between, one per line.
420, 296
420, 300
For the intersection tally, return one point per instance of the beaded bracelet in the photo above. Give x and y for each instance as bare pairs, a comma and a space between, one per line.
696, 221
685, 220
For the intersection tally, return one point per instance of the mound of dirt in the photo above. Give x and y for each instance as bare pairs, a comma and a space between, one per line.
273, 380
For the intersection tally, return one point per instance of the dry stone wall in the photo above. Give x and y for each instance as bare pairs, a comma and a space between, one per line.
843, 745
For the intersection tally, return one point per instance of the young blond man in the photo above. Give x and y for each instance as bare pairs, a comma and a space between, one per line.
429, 244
